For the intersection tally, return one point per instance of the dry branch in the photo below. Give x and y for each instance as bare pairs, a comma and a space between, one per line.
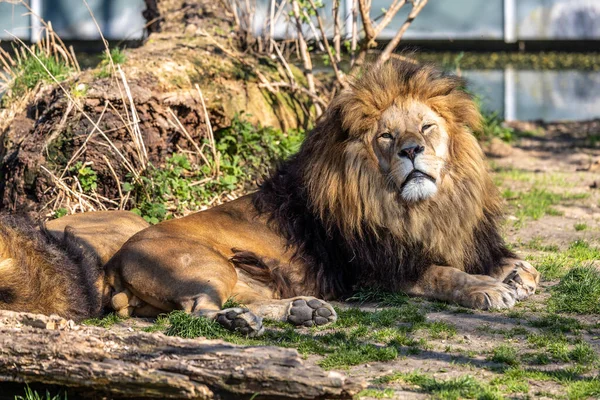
391, 46
51, 350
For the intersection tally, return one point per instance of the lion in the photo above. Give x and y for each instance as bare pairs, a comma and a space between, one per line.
389, 189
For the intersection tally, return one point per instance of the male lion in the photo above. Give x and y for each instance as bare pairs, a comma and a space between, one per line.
389, 189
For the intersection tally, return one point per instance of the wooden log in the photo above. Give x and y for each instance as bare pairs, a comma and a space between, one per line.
51, 350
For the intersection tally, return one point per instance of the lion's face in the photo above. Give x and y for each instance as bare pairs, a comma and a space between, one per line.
410, 144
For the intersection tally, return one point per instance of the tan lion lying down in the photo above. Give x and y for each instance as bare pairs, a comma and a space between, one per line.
390, 189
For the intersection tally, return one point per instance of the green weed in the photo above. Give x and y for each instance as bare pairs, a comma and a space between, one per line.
117, 56
493, 127
105, 322
31, 394
580, 227
584, 389
29, 72
440, 329
504, 354
86, 176
160, 324
557, 324
232, 303
464, 387
578, 292
376, 393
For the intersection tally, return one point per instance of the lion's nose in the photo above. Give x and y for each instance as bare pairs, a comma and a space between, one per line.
411, 152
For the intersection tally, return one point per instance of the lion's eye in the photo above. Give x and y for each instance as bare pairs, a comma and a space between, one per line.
386, 136
426, 127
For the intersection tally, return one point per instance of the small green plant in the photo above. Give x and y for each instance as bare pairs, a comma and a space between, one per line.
492, 127
463, 387
578, 292
376, 394
557, 324
117, 56
87, 177
580, 226
31, 394
232, 303
504, 354
105, 322
29, 71
60, 212
440, 329
160, 324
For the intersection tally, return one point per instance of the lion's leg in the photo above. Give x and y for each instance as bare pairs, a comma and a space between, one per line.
300, 311
519, 274
192, 278
456, 286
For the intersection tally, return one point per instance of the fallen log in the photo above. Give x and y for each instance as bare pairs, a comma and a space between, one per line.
50, 350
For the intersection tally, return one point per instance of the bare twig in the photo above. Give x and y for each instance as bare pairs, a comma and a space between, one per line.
339, 75
306, 60
211, 136
391, 46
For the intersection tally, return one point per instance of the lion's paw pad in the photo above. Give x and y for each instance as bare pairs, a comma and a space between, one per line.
524, 279
241, 320
310, 312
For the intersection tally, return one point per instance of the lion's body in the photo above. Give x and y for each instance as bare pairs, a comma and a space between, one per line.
340, 213
390, 189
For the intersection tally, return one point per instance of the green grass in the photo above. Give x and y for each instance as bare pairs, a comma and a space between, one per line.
440, 330
376, 394
578, 292
28, 72
357, 337
161, 324
105, 322
578, 255
557, 324
493, 127
232, 303
504, 354
118, 57
536, 244
584, 389
31, 394
580, 226
537, 203
463, 387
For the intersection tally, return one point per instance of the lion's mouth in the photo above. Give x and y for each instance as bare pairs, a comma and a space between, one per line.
418, 175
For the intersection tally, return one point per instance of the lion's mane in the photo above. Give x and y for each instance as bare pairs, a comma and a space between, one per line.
346, 223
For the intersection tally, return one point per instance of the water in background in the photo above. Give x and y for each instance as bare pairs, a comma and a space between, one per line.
537, 94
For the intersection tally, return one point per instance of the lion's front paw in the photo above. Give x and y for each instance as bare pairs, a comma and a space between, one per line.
310, 311
241, 320
486, 295
524, 279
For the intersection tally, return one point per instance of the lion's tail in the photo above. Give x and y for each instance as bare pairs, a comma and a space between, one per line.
39, 276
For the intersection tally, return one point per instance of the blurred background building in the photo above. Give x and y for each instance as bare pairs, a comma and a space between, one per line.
443, 25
